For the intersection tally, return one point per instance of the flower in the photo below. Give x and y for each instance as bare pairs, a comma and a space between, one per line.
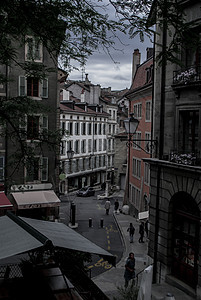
185, 76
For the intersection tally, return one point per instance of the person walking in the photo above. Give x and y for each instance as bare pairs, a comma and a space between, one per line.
146, 228
107, 206
129, 269
131, 230
141, 232
116, 205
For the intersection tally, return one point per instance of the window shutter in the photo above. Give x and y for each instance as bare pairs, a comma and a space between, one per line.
44, 126
44, 88
22, 86
23, 127
44, 170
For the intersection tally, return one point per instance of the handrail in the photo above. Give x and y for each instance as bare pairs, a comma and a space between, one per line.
136, 276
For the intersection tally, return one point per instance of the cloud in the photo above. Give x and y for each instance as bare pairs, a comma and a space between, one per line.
115, 69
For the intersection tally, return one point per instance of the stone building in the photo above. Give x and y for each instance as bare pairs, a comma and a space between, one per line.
175, 201
27, 159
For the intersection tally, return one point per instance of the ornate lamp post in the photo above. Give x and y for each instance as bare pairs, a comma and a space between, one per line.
131, 125
70, 153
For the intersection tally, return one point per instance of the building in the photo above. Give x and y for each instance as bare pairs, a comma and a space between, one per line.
140, 104
93, 114
29, 147
175, 224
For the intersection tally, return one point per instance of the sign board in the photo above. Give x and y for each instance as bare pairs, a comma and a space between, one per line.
143, 215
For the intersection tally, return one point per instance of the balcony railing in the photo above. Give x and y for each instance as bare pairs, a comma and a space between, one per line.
187, 76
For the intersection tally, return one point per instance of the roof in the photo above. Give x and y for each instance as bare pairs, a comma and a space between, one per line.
20, 235
36, 199
140, 75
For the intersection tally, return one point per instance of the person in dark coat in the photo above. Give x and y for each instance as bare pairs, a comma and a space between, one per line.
129, 269
131, 230
141, 232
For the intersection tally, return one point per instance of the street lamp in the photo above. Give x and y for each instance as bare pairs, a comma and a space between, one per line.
70, 153
131, 125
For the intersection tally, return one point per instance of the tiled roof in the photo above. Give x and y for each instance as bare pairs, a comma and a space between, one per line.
141, 75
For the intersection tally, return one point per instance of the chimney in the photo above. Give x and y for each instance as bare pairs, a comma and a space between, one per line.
87, 79
136, 61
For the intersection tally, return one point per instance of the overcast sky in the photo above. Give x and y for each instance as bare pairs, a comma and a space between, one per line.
102, 70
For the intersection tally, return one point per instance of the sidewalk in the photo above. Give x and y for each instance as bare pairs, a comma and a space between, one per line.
110, 280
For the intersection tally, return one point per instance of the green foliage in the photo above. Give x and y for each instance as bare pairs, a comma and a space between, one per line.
129, 293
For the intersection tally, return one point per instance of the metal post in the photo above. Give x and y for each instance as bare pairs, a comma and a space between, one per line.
101, 223
90, 222
73, 207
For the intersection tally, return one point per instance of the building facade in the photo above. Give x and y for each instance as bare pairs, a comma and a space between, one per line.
140, 104
28, 160
175, 198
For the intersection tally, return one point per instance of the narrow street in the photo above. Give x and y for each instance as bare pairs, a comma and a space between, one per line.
95, 225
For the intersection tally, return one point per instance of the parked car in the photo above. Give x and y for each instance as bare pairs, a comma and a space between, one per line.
86, 192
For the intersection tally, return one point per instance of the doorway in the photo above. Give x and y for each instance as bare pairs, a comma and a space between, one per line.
185, 238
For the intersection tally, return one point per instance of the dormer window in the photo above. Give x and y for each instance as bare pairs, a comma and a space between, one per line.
149, 74
33, 49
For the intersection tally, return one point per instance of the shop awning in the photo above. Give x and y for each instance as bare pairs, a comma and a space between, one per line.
4, 202
36, 199
24, 234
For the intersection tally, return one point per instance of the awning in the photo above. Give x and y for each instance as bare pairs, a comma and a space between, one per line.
36, 199
4, 201
20, 235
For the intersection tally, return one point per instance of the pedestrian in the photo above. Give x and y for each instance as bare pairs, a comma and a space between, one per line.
141, 232
146, 227
116, 205
131, 230
129, 269
107, 206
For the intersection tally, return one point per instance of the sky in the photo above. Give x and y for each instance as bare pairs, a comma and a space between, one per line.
101, 69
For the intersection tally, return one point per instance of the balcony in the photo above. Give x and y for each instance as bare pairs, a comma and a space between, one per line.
186, 77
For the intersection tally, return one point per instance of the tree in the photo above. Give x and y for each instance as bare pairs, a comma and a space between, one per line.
72, 31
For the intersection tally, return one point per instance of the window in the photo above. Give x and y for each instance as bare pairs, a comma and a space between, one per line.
77, 147
95, 128
99, 128
1, 168
63, 148
83, 146
37, 170
135, 196
95, 145
146, 174
104, 144
63, 127
148, 111
33, 127
136, 168
188, 131
147, 143
89, 128
70, 128
33, 87
77, 128
114, 129
89, 146
100, 145
83, 128
103, 128
137, 137
137, 110
33, 49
